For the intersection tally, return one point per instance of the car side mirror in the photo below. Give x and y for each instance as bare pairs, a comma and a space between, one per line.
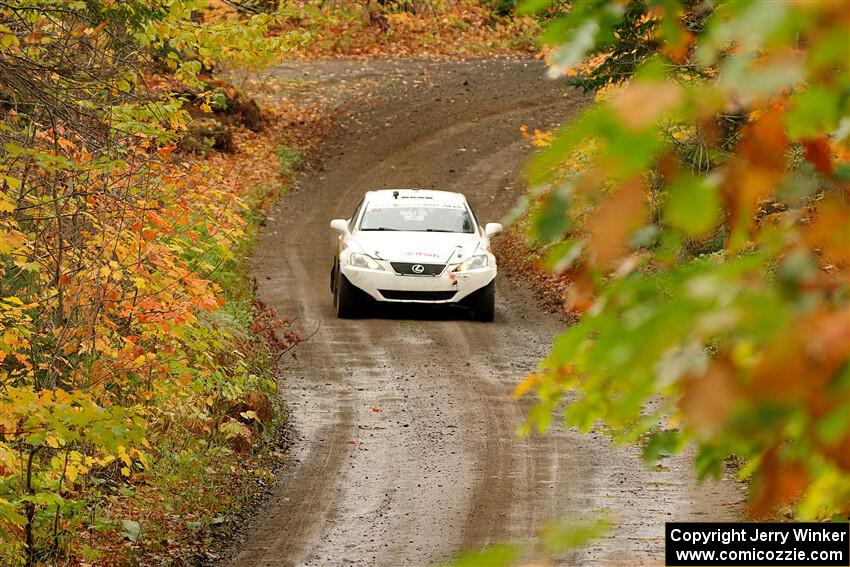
340, 226
492, 228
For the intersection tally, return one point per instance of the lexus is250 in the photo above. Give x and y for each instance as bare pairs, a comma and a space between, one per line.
413, 246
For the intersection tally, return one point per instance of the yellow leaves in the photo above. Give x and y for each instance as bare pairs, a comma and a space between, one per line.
102, 344
16, 328
105, 460
115, 271
529, 382
124, 346
743, 354
123, 456
11, 240
143, 360
6, 204
539, 138
12, 340
76, 464
8, 39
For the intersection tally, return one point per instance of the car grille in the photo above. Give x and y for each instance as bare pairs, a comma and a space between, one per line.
417, 295
406, 268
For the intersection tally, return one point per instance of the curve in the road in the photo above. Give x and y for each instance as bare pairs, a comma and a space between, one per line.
405, 450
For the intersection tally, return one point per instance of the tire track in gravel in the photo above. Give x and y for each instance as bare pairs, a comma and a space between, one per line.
405, 451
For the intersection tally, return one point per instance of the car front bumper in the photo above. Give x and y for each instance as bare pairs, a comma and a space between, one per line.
448, 287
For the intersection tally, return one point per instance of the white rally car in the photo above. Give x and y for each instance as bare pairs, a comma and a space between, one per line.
413, 246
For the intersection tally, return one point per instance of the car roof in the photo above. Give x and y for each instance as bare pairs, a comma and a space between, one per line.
429, 196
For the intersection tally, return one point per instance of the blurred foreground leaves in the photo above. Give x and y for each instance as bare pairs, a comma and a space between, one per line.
700, 209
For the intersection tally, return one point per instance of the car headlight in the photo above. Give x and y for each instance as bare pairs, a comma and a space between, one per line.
364, 261
473, 263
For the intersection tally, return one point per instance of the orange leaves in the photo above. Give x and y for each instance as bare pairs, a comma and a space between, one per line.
755, 172
66, 145
780, 483
459, 29
679, 51
817, 152
764, 141
538, 138
612, 222
708, 399
743, 139
165, 151
158, 221
527, 383
827, 233
798, 366
639, 105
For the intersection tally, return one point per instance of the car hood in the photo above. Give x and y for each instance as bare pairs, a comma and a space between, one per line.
424, 247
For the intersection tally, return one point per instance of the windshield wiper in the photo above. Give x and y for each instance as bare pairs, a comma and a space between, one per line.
437, 230
382, 228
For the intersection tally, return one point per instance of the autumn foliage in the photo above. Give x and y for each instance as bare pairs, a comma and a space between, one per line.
419, 28
130, 365
701, 212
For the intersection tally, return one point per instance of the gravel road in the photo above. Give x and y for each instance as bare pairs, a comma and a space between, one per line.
405, 450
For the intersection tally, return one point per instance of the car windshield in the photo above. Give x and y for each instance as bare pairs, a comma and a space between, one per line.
418, 218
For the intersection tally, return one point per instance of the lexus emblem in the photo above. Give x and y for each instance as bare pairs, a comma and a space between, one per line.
417, 268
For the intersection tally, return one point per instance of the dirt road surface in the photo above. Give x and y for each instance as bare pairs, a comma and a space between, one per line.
405, 450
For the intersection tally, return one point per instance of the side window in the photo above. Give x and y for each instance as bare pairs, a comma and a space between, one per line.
353, 219
474, 217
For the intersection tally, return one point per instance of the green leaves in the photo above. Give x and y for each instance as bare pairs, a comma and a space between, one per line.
692, 205
553, 219
568, 55
131, 530
554, 541
662, 444
815, 110
712, 130
491, 556
110, 246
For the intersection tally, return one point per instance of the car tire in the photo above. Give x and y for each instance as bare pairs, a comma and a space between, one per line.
347, 298
483, 303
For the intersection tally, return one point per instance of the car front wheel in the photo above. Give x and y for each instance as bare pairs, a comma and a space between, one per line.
346, 297
483, 303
